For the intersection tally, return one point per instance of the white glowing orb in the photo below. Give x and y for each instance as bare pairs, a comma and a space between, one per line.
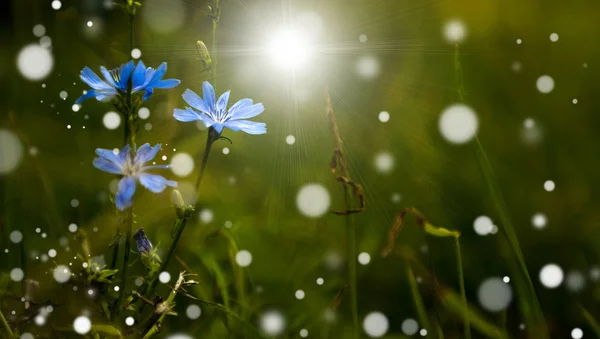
111, 120
27, 335
11, 151
549, 185
288, 49
136, 53
143, 113
72, 228
193, 312
16, 274
483, 225
243, 258
39, 30
82, 325
575, 281
410, 326
56, 4
494, 294
574, 101
206, 216
225, 150
304, 333
164, 277
554, 37
63, 95
519, 41
539, 220
52, 253
364, 258
551, 276
384, 116
375, 324
313, 200
458, 124
290, 139
62, 274
35, 62
129, 321
182, 164
455, 31
545, 84
40, 320
299, 294
423, 332
272, 323
576, 333
363, 38
384, 162
367, 67
75, 107
16, 237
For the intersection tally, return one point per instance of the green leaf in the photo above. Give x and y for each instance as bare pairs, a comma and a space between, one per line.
107, 329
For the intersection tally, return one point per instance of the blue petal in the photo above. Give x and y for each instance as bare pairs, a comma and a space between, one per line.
209, 94
186, 115
90, 93
146, 153
167, 83
250, 127
218, 126
107, 166
109, 78
89, 77
155, 183
109, 155
126, 71
158, 74
195, 101
123, 154
139, 76
125, 193
246, 112
147, 94
222, 103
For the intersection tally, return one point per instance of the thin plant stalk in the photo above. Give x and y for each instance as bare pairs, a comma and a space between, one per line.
536, 320
216, 12
181, 221
122, 288
5, 325
461, 282
417, 299
340, 170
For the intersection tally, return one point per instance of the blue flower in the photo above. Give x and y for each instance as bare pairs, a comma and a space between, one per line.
132, 168
144, 246
116, 81
216, 115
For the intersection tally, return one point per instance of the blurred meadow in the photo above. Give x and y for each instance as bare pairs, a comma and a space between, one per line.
269, 258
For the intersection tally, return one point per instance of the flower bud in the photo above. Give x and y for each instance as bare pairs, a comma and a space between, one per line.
144, 246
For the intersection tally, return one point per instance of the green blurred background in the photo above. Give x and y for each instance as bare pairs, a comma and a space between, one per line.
255, 185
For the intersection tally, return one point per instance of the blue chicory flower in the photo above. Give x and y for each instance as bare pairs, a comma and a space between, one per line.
116, 81
144, 246
132, 169
216, 115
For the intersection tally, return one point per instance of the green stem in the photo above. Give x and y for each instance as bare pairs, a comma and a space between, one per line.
5, 324
352, 257
122, 288
418, 300
181, 222
461, 280
215, 20
529, 302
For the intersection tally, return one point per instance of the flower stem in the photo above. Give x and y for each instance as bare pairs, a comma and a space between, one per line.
529, 303
181, 222
216, 12
122, 288
5, 324
461, 281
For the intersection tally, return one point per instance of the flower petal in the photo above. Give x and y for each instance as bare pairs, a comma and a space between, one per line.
125, 193
107, 166
147, 94
109, 78
195, 101
166, 83
123, 154
222, 103
250, 127
89, 77
186, 114
109, 155
218, 126
126, 71
88, 94
139, 76
155, 183
209, 94
146, 153
246, 112
158, 74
